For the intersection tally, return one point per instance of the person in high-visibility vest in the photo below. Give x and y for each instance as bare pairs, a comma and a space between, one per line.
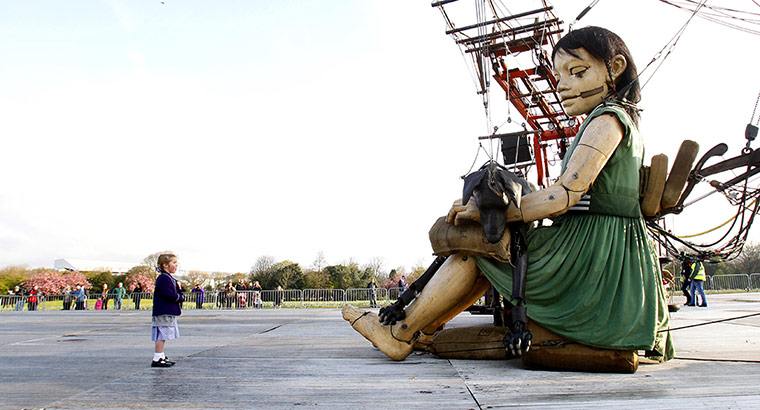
697, 278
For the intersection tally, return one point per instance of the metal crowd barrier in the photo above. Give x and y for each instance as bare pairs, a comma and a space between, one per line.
730, 282
323, 297
240, 299
110, 303
285, 298
222, 299
725, 283
307, 298
754, 281
12, 302
364, 297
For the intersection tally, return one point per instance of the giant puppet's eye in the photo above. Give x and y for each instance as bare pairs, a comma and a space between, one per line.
578, 72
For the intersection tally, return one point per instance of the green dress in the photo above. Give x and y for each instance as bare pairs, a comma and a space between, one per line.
592, 276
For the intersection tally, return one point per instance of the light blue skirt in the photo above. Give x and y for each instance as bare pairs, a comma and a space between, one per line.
164, 328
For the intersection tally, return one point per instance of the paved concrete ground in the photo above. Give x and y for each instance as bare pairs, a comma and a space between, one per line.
312, 358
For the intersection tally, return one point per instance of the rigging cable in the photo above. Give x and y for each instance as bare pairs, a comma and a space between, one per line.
719, 14
669, 46
673, 41
733, 218
754, 110
727, 252
583, 13
710, 323
451, 26
475, 161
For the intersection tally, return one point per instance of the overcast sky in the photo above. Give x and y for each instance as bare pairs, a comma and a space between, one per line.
229, 130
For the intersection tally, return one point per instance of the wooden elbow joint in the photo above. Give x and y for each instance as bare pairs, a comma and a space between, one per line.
582, 168
554, 201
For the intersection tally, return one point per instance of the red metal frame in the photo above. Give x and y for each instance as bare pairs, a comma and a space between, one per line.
507, 79
531, 91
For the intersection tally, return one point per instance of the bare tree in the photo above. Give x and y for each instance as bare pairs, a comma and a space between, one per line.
747, 262
375, 265
417, 271
196, 276
219, 279
263, 264
152, 259
319, 262
350, 262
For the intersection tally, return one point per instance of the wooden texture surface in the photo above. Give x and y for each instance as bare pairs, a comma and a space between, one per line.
274, 359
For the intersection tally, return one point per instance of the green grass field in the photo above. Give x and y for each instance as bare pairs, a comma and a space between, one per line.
147, 304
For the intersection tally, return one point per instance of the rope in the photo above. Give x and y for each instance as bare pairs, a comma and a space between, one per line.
673, 41
556, 344
481, 349
719, 15
583, 13
477, 153
357, 319
754, 110
399, 340
716, 228
709, 323
717, 360
728, 251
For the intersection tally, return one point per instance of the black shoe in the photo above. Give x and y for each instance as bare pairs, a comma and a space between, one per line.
169, 361
705, 305
161, 363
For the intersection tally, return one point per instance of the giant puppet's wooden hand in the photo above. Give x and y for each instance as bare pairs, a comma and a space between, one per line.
459, 213
597, 144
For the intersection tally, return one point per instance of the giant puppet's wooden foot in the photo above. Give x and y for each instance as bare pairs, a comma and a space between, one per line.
424, 340
368, 325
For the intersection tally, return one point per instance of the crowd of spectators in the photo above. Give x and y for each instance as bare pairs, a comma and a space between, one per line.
18, 297
76, 298
231, 295
239, 295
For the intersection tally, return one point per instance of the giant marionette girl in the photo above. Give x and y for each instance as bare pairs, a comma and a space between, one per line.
592, 277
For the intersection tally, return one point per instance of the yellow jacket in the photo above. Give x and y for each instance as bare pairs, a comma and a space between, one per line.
698, 271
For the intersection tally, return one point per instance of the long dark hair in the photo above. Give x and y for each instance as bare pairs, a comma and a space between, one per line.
603, 45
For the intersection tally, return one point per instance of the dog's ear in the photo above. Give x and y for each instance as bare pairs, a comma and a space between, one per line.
513, 186
470, 183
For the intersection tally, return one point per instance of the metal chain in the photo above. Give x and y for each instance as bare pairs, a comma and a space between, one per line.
755, 110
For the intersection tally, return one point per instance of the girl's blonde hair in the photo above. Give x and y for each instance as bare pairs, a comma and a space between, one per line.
165, 258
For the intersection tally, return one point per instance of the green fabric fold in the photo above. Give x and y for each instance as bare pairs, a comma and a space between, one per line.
593, 278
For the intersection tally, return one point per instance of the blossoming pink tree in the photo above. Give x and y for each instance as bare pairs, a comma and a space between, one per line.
53, 283
76, 278
146, 281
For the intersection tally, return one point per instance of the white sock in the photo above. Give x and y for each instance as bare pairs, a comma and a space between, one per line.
158, 356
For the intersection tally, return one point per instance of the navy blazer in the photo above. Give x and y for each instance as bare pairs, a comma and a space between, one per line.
167, 299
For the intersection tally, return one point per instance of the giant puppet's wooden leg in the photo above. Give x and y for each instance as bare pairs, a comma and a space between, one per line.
426, 335
447, 290
519, 337
481, 286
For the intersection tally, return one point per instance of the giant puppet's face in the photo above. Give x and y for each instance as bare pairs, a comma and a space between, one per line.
583, 80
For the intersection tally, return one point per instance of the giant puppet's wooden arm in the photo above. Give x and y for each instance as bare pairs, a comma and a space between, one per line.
598, 142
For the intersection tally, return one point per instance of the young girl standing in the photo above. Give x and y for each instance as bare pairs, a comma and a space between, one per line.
167, 303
